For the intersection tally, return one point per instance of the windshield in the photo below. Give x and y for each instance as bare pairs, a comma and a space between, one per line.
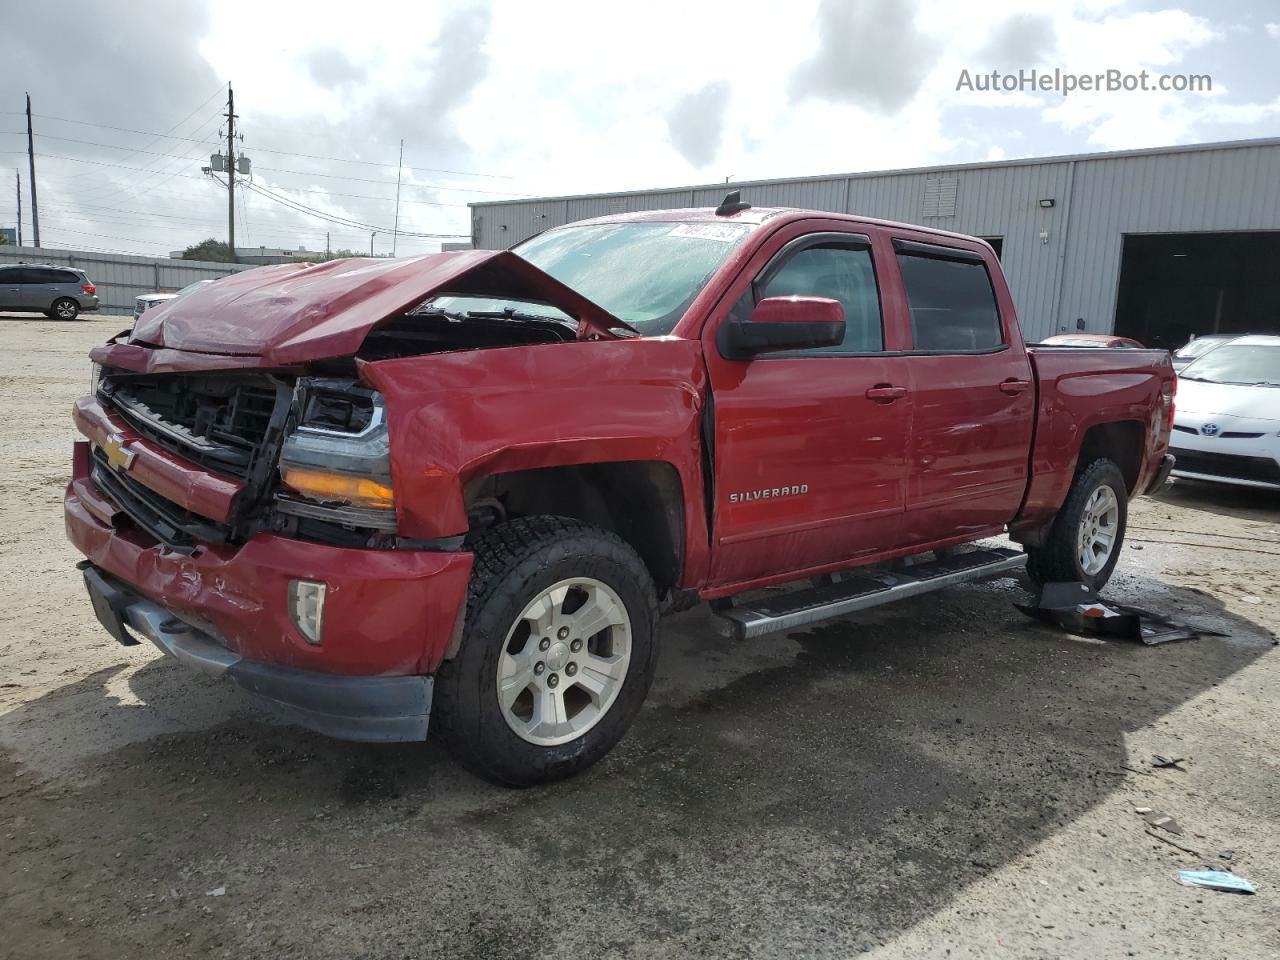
191, 286
1248, 364
1198, 348
644, 273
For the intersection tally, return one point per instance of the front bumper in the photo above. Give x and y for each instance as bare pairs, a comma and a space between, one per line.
389, 615
371, 709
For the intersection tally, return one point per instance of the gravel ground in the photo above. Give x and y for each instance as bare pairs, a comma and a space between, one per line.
931, 779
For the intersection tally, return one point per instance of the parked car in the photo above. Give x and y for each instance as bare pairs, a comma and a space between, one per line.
61, 292
146, 301
462, 486
1091, 340
1227, 425
1198, 346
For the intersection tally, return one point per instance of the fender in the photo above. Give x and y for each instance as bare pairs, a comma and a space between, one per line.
457, 417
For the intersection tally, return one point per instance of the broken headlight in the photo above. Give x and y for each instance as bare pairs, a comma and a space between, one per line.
336, 464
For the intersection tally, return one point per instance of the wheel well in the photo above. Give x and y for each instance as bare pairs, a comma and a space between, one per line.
1121, 442
640, 501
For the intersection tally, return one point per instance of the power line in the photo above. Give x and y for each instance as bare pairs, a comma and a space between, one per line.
334, 218
293, 153
422, 186
172, 129
114, 146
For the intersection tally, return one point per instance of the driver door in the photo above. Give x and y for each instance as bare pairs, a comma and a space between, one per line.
810, 446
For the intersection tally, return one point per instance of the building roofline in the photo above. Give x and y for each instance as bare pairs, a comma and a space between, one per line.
941, 168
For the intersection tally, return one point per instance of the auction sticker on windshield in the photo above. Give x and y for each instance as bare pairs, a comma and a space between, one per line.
707, 231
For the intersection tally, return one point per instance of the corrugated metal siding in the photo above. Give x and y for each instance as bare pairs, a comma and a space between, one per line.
1218, 190
118, 277
1074, 272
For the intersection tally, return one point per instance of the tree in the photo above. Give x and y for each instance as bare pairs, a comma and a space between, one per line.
3, 239
211, 249
335, 255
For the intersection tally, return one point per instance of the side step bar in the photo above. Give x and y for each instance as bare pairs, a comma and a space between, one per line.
859, 591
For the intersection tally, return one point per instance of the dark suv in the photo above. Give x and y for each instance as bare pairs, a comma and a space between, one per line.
61, 292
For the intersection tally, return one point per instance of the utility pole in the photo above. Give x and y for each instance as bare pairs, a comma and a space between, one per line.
17, 175
395, 230
231, 171
326, 243
31, 159
371, 236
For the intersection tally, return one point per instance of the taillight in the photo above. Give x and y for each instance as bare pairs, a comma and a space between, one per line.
89, 288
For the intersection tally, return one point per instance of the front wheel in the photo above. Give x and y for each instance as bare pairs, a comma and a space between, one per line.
1088, 532
557, 655
66, 309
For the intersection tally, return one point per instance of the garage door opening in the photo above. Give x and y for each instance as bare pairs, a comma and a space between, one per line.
1176, 285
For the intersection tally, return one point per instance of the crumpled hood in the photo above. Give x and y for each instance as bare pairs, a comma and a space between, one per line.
1228, 399
297, 312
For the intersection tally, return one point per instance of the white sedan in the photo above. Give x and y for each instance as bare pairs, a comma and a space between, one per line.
1226, 425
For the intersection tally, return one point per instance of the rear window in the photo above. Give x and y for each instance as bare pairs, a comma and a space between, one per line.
953, 306
47, 275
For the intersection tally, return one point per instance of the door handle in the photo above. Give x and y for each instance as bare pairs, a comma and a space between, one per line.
1014, 387
885, 393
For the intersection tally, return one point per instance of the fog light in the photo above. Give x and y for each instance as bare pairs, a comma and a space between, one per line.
306, 607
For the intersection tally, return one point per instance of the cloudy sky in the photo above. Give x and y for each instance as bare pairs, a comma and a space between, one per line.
507, 98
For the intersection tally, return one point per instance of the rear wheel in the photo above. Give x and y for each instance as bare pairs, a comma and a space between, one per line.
1088, 532
65, 309
557, 655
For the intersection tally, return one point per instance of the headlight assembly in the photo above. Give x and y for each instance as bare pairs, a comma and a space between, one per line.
336, 464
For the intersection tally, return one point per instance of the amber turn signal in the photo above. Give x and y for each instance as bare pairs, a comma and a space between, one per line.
331, 487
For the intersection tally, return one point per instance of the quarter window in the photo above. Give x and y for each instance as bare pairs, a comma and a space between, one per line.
953, 307
839, 273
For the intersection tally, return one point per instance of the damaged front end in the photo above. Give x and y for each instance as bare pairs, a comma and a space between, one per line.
247, 402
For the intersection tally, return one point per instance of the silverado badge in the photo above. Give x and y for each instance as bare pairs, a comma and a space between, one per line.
119, 457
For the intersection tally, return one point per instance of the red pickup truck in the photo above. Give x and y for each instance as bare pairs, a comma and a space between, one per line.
461, 488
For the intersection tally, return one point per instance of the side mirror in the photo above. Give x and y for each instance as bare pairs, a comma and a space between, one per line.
784, 323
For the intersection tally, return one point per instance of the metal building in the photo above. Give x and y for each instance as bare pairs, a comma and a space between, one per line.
1158, 244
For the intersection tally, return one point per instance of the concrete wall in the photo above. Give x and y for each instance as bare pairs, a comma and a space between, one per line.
119, 277
1073, 273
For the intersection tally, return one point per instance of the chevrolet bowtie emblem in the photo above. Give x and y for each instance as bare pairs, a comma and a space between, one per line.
119, 457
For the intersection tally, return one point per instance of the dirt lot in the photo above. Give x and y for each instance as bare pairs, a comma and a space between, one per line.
938, 778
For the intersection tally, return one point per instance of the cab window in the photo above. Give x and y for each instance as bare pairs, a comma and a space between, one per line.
843, 273
953, 307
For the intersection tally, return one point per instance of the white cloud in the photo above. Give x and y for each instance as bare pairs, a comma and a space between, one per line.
1273, 31
580, 96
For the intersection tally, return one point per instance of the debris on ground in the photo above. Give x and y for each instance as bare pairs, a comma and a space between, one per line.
1216, 880
1163, 821
1076, 608
1168, 763
216, 892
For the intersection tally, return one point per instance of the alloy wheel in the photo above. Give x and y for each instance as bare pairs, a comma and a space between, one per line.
564, 661
1099, 529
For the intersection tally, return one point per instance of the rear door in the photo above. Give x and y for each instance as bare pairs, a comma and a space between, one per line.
971, 387
54, 284
809, 469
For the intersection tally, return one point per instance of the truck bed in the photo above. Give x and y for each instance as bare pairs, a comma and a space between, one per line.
1080, 388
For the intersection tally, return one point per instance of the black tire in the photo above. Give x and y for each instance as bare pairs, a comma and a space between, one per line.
514, 562
1059, 559
65, 308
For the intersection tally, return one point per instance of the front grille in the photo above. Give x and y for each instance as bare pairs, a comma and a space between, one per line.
1226, 435
160, 517
219, 421
1227, 465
